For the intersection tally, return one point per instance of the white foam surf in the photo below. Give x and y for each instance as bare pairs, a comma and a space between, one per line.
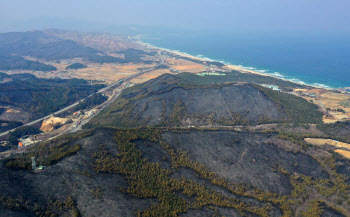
262, 71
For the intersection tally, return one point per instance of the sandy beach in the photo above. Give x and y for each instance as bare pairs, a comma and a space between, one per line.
230, 67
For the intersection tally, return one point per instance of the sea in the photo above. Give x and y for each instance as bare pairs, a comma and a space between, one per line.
313, 59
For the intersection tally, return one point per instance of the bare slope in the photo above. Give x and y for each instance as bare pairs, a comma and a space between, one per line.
163, 173
171, 101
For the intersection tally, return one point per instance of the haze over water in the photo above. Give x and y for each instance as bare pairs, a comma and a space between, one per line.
297, 39
316, 60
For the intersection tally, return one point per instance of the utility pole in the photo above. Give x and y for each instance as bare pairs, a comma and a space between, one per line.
33, 164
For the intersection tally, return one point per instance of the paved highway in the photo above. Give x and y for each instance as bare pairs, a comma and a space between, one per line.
75, 104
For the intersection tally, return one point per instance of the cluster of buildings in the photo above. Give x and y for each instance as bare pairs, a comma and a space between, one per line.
273, 87
92, 113
77, 113
305, 92
210, 73
25, 141
214, 68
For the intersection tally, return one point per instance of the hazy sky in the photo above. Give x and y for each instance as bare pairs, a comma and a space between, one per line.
234, 15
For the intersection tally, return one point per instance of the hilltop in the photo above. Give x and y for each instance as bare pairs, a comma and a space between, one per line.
169, 100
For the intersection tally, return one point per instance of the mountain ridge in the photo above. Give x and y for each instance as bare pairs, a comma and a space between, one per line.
169, 100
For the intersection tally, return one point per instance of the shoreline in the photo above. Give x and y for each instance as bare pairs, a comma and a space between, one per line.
232, 67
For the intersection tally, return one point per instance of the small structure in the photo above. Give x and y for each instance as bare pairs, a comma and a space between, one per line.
77, 113
4, 143
92, 113
273, 87
25, 141
312, 95
210, 73
41, 167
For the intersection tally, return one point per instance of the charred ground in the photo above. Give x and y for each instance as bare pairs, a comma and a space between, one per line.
24, 97
193, 172
165, 168
170, 100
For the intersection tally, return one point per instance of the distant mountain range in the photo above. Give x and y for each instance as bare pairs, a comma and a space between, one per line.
55, 45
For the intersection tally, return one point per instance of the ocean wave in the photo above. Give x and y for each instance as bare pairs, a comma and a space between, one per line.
321, 85
274, 74
187, 54
262, 71
297, 81
208, 59
277, 74
249, 68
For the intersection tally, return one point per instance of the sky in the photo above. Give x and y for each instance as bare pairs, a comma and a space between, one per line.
318, 16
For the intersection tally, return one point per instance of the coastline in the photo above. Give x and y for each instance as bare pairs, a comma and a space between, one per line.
233, 67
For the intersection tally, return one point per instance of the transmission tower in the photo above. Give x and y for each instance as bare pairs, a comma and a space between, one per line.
33, 164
